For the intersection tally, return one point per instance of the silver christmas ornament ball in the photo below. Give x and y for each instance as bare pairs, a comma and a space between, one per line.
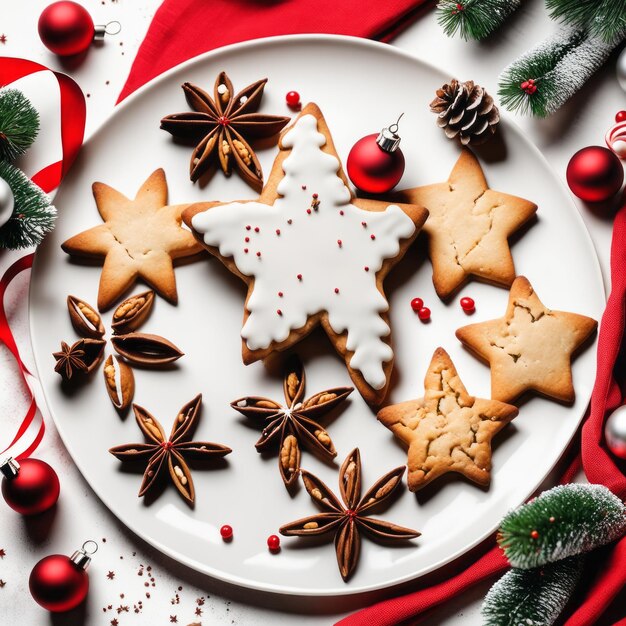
615, 432
621, 69
7, 202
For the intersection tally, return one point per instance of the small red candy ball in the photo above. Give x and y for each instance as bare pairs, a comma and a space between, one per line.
620, 116
66, 28
468, 305
417, 304
424, 313
227, 532
595, 174
293, 99
534, 534
34, 490
273, 543
57, 584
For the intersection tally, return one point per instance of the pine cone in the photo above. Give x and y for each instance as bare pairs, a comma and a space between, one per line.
467, 111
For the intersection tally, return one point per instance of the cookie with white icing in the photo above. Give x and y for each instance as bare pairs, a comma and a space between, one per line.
311, 253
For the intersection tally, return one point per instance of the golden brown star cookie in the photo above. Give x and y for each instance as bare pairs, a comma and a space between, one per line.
311, 254
139, 239
447, 430
468, 227
530, 348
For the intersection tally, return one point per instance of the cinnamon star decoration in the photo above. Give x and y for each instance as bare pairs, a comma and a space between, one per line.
164, 456
140, 238
293, 425
222, 126
349, 521
447, 430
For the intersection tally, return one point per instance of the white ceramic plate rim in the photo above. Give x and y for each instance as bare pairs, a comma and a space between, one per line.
203, 567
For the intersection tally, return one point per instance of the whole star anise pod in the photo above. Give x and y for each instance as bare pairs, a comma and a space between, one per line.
81, 357
349, 521
222, 126
291, 425
165, 456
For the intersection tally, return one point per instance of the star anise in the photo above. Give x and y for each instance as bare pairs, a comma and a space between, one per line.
222, 125
349, 521
81, 357
161, 453
292, 425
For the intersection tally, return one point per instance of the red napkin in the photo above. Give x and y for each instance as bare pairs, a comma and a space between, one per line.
182, 29
605, 570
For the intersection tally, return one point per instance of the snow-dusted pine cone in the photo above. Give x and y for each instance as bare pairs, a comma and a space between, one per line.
467, 111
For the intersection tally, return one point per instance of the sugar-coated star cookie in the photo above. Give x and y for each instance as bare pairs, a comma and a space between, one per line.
139, 239
447, 430
468, 227
312, 254
530, 348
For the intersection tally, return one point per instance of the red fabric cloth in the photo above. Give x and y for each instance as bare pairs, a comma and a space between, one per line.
182, 29
605, 573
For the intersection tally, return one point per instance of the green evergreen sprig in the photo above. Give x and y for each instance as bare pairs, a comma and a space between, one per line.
545, 77
473, 19
565, 521
603, 18
533, 597
19, 124
33, 215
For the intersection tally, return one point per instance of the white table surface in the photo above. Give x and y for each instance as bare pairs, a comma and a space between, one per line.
79, 514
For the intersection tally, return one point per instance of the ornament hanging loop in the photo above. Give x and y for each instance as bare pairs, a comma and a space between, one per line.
110, 28
82, 557
396, 125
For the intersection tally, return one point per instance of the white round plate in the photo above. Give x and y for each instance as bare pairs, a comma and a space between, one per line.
360, 86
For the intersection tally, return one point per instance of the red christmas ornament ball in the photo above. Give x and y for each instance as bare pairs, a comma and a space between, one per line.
57, 584
620, 116
34, 490
595, 174
66, 28
373, 170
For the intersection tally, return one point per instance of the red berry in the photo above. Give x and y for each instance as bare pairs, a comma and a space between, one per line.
468, 304
226, 531
424, 313
620, 116
417, 304
534, 534
336, 289
293, 98
273, 543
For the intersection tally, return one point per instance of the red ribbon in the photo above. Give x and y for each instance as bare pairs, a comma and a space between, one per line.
72, 108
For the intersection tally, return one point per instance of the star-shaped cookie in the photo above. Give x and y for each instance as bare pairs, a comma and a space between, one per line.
468, 227
139, 239
312, 254
530, 348
447, 430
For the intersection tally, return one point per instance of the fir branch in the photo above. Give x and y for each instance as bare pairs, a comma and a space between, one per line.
473, 19
19, 124
533, 597
33, 215
603, 18
564, 521
545, 77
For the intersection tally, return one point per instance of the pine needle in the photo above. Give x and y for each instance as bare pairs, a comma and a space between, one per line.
19, 124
